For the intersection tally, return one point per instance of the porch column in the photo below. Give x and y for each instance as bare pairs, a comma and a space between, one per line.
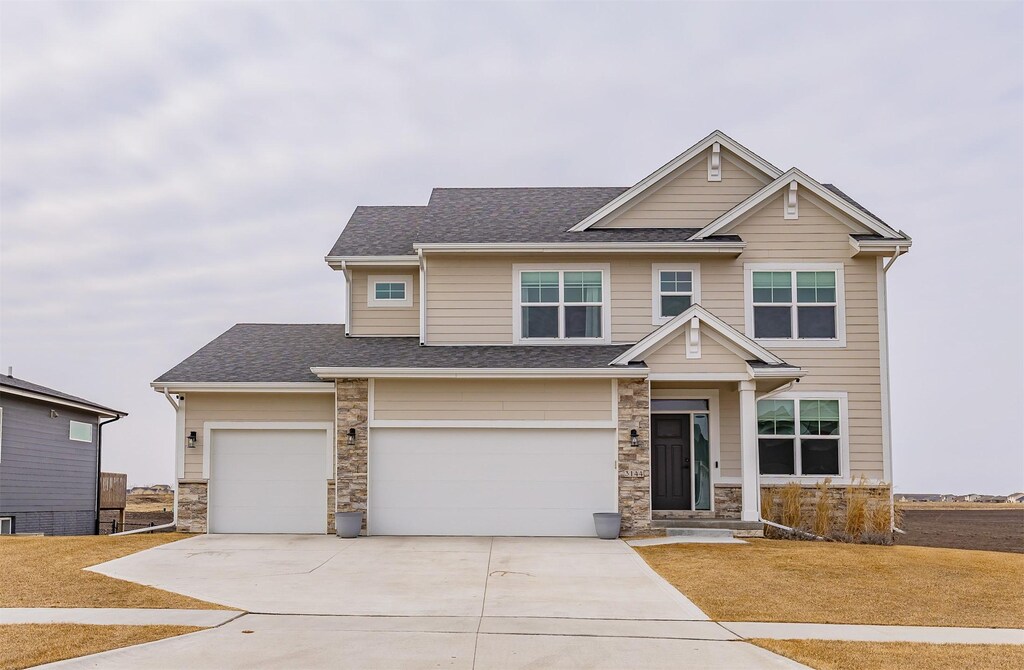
748, 452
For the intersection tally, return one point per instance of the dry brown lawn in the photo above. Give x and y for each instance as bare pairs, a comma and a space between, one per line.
835, 655
47, 572
825, 582
27, 645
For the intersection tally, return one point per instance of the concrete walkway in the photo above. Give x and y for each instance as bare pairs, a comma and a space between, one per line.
861, 633
114, 616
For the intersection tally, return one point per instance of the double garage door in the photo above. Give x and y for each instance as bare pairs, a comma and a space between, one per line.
422, 481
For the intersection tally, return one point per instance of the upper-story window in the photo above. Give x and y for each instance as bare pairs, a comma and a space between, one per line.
389, 291
795, 305
674, 288
80, 432
561, 303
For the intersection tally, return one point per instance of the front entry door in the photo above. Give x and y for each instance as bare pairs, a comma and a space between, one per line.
670, 466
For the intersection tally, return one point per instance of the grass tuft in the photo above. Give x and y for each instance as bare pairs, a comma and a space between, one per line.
29, 645
824, 509
792, 505
841, 655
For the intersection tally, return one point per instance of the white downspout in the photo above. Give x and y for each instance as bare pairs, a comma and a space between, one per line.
172, 524
888, 409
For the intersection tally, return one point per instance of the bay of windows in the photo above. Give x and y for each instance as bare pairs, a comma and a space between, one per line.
561, 304
798, 436
808, 312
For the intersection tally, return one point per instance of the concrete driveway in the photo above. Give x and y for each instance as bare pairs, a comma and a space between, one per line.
400, 602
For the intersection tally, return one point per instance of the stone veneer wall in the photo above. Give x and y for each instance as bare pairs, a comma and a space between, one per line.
331, 506
634, 491
352, 397
728, 499
192, 503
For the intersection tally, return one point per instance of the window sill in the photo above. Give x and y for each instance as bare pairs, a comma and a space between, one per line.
393, 304
839, 343
561, 341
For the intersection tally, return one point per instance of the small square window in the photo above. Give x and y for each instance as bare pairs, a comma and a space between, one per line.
389, 291
675, 288
80, 432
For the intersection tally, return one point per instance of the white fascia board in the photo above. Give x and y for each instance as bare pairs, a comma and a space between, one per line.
92, 409
791, 175
655, 177
478, 373
243, 387
865, 247
776, 373
338, 262
682, 247
663, 334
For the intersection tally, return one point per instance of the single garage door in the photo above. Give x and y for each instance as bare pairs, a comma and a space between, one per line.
467, 481
268, 481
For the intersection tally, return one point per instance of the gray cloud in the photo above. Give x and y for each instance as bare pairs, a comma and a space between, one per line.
168, 169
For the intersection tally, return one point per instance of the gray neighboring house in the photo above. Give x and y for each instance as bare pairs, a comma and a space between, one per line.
50, 445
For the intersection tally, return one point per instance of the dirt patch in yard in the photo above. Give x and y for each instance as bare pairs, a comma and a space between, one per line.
48, 572
986, 528
826, 582
835, 655
28, 645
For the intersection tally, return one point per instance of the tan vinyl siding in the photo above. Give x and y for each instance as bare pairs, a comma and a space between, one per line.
384, 321
203, 407
714, 357
690, 200
492, 399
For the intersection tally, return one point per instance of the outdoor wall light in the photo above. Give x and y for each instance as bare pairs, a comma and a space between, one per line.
53, 414
192, 437
351, 436
634, 438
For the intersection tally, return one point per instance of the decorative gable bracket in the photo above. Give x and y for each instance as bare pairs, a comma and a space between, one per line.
715, 162
791, 208
693, 339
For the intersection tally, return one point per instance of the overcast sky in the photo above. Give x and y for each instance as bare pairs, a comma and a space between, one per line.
170, 169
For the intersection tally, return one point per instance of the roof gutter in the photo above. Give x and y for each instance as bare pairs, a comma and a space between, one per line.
680, 247
478, 373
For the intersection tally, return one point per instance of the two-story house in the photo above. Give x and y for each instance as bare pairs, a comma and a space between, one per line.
515, 359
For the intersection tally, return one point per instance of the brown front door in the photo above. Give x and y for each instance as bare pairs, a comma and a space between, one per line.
670, 461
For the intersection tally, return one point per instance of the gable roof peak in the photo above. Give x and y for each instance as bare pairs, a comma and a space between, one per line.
665, 171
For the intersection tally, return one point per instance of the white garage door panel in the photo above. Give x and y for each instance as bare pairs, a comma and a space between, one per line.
268, 481
463, 481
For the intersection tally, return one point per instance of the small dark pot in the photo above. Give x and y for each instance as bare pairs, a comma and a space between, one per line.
607, 524
348, 524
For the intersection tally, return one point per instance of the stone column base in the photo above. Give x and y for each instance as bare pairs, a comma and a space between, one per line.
192, 507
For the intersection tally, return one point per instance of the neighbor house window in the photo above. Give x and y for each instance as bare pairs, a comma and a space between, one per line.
799, 436
802, 306
389, 291
562, 304
674, 289
6, 525
81, 432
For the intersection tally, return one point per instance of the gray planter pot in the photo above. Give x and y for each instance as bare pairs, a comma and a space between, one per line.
607, 524
348, 524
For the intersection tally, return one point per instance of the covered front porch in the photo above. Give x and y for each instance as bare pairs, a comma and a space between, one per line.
700, 436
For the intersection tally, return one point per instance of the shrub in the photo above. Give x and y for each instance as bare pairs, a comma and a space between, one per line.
768, 504
824, 510
856, 509
792, 501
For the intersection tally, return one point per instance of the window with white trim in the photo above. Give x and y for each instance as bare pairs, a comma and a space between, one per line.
674, 289
80, 432
799, 436
389, 291
6, 525
798, 305
561, 304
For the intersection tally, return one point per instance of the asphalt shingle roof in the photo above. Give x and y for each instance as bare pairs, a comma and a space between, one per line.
262, 352
14, 382
493, 215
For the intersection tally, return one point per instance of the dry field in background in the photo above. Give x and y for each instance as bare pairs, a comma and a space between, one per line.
958, 505
835, 655
28, 645
47, 572
827, 582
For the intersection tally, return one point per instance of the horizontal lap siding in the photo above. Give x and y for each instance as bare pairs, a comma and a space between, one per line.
815, 237
690, 200
714, 357
266, 407
383, 321
492, 400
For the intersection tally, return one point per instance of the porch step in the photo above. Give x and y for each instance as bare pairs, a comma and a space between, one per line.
709, 527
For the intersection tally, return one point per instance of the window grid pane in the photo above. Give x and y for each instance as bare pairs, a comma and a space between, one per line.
677, 282
816, 287
815, 451
582, 287
773, 287
539, 287
775, 417
389, 290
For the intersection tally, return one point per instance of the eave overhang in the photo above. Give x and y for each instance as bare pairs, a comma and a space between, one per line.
242, 387
44, 397
683, 247
881, 247
341, 262
481, 373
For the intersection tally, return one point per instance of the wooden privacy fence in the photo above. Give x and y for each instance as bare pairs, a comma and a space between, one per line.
114, 492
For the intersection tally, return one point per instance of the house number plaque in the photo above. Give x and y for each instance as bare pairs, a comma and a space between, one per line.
634, 474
